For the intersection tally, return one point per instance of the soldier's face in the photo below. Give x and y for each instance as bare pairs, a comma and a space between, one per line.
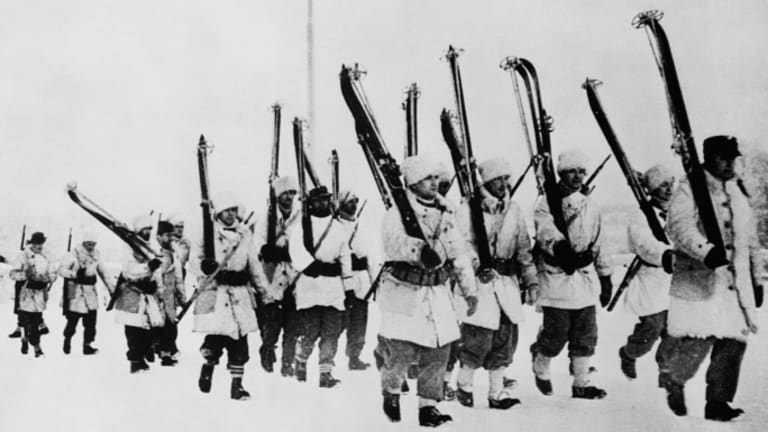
144, 233
497, 187
320, 206
89, 246
426, 188
164, 239
722, 167
228, 216
36, 248
662, 194
349, 206
573, 178
178, 230
285, 200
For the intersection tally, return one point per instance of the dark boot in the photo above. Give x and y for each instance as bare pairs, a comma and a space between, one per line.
149, 356
15, 334
465, 398
676, 398
544, 386
721, 411
404, 389
627, 365
24, 346
356, 364
67, 348
328, 381
430, 416
588, 392
449, 393
267, 357
206, 376
168, 361
287, 370
505, 403
38, 351
301, 371
391, 406
88, 349
139, 366
237, 391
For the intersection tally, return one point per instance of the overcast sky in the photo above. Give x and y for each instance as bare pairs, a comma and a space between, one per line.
114, 94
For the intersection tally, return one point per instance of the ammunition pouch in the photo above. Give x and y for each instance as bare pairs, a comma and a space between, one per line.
409, 273
319, 268
233, 278
85, 280
359, 263
505, 266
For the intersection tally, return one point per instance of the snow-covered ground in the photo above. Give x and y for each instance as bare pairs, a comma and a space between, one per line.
96, 393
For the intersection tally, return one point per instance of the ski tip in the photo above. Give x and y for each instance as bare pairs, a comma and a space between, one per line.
646, 18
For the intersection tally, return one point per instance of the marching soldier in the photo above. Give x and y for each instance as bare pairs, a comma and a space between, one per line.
568, 285
170, 292
364, 269
136, 304
648, 294
279, 314
715, 289
418, 322
489, 337
35, 268
320, 287
81, 300
224, 311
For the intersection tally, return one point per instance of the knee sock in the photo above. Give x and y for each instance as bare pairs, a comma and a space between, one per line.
466, 378
495, 383
580, 371
541, 366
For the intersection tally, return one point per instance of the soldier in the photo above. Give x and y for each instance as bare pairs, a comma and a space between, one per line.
715, 289
364, 269
489, 337
170, 292
181, 244
224, 311
418, 321
81, 301
320, 287
136, 304
568, 285
35, 268
279, 314
648, 294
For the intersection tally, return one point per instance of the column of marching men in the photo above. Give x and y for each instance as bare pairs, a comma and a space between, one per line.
435, 307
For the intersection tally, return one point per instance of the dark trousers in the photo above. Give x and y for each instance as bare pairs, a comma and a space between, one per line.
274, 318
237, 350
647, 331
398, 356
167, 338
30, 322
453, 355
89, 325
355, 322
489, 349
139, 343
16, 294
321, 323
577, 327
685, 355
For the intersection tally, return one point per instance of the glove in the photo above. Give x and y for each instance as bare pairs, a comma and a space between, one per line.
471, 304
429, 257
208, 266
606, 290
565, 256
758, 295
668, 261
715, 258
349, 298
532, 294
154, 264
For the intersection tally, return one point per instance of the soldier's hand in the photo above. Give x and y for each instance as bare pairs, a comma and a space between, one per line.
471, 304
532, 295
154, 264
668, 261
208, 266
606, 290
715, 258
487, 275
430, 257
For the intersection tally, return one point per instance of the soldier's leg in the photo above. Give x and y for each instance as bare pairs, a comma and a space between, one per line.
582, 340
645, 334
17, 333
358, 324
724, 368
291, 328
432, 363
269, 317
310, 321
32, 322
683, 356
662, 351
69, 330
476, 343
503, 346
330, 330
167, 335
136, 339
551, 339
396, 357
211, 350
89, 327
237, 357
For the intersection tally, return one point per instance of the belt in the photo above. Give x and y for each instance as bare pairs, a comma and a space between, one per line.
232, 278
86, 280
409, 273
359, 263
505, 266
580, 260
319, 268
36, 285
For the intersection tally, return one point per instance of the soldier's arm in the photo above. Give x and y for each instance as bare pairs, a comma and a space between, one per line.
602, 263
19, 270
68, 268
462, 262
398, 246
547, 233
643, 244
682, 224
256, 271
526, 269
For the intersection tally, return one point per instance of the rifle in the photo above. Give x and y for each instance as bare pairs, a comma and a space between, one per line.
269, 268
587, 187
386, 197
452, 140
335, 178
467, 167
411, 126
643, 201
306, 219
309, 167
370, 139
542, 127
66, 281
205, 200
209, 279
23, 237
